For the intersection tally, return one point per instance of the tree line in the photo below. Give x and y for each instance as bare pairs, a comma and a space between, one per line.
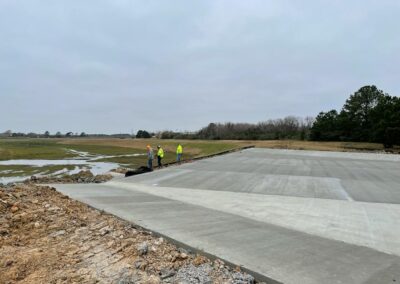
58, 134
290, 127
368, 115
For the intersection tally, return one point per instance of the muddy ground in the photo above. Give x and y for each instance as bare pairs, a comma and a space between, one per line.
45, 237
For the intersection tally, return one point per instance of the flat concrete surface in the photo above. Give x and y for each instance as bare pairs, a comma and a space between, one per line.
292, 216
333, 175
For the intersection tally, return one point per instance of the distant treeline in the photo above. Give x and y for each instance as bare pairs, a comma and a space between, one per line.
369, 115
287, 128
47, 134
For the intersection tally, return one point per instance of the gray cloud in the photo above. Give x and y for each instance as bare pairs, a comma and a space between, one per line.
113, 66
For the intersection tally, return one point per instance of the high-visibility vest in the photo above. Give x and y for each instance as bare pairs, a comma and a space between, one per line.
160, 153
179, 149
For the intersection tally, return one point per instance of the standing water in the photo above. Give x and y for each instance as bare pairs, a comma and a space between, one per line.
84, 161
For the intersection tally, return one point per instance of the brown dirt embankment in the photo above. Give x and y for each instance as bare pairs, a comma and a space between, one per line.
45, 237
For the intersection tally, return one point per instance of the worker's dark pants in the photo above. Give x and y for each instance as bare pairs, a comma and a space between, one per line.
159, 161
150, 163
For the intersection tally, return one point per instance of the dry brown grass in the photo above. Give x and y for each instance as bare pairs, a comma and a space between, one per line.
312, 145
194, 147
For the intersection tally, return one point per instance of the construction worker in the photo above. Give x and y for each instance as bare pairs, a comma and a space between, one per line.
179, 151
160, 155
150, 157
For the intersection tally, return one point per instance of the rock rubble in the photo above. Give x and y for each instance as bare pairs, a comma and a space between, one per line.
81, 177
46, 237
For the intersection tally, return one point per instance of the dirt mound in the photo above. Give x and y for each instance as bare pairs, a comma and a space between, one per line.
45, 237
81, 177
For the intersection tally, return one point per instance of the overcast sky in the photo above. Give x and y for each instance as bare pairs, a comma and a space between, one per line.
116, 66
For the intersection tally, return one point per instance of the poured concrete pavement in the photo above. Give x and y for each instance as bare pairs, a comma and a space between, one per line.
292, 216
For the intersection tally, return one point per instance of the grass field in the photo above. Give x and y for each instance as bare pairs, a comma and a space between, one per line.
317, 146
60, 149
113, 149
205, 147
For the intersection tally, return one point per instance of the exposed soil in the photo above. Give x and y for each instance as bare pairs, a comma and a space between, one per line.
45, 237
81, 177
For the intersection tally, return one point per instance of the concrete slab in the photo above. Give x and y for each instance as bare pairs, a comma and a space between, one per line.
351, 176
295, 217
373, 225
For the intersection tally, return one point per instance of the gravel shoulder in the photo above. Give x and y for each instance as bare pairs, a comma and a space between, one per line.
46, 237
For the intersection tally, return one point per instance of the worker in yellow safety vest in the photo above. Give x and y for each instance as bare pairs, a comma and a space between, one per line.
179, 151
160, 155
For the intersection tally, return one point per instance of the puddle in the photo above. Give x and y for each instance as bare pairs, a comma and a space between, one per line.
6, 180
66, 171
83, 161
90, 157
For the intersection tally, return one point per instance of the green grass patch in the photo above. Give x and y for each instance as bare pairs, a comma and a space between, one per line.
50, 149
102, 150
11, 149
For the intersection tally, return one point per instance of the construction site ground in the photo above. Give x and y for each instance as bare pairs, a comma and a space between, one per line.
287, 216
46, 237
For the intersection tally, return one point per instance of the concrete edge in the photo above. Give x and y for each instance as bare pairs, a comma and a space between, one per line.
257, 276
206, 157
